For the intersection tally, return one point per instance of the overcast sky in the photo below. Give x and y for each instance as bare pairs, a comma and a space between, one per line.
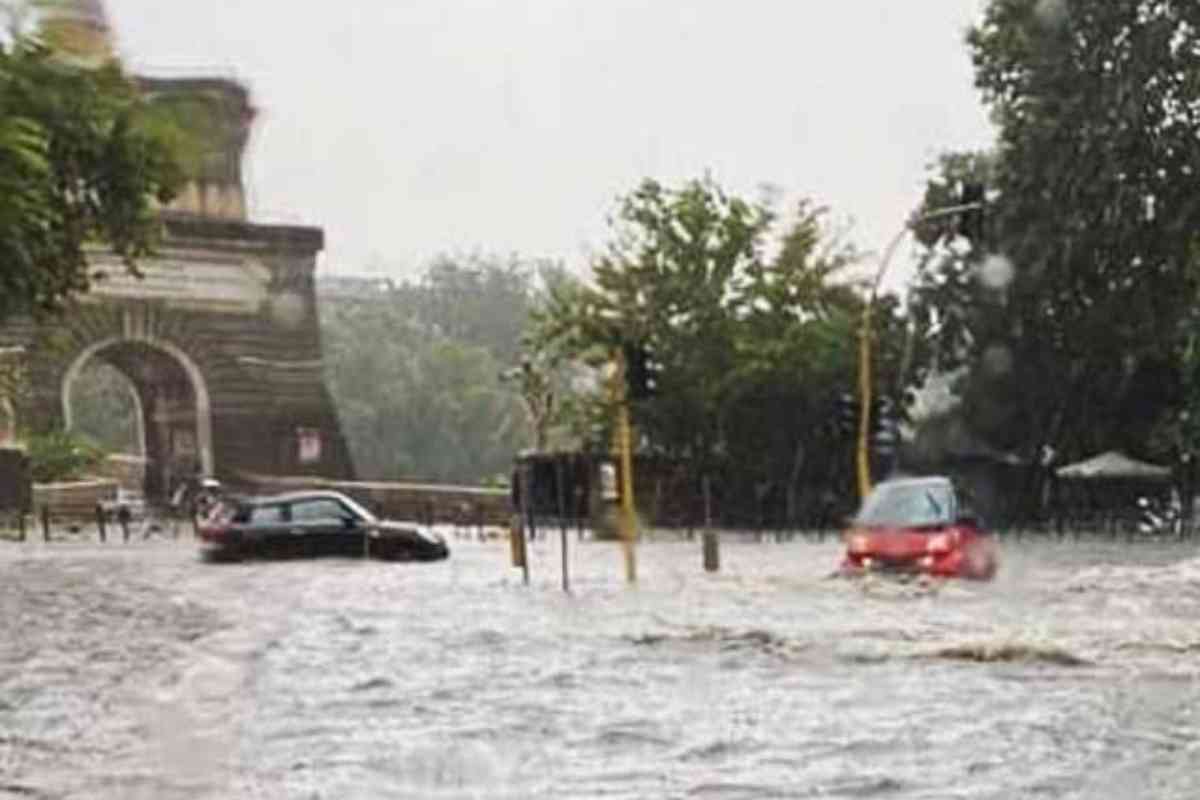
406, 128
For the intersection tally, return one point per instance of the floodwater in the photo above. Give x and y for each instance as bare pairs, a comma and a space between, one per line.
137, 671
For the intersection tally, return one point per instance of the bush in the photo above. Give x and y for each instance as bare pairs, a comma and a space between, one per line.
62, 456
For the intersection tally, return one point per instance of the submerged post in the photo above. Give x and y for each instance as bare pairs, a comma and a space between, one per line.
562, 520
124, 517
526, 518
712, 544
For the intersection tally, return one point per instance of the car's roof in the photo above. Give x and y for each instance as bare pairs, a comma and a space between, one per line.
916, 482
292, 497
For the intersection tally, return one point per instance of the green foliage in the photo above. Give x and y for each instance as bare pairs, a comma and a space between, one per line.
480, 301
104, 410
1093, 204
82, 160
425, 401
62, 456
752, 349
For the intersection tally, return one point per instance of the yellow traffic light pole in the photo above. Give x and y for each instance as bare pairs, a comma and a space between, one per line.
865, 349
624, 446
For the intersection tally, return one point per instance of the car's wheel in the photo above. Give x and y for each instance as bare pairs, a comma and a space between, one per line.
221, 555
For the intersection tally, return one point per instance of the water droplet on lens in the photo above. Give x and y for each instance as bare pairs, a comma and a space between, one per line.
1051, 12
288, 309
997, 360
996, 272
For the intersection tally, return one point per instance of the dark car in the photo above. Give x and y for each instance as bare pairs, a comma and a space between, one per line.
319, 523
922, 526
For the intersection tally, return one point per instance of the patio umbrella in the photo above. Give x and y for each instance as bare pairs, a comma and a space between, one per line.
1114, 464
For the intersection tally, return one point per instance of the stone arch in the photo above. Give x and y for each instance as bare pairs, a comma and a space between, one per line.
204, 325
199, 386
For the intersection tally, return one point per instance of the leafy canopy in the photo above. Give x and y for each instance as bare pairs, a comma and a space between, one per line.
1072, 336
753, 332
83, 161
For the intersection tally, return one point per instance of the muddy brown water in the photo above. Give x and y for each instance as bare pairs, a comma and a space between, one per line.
137, 671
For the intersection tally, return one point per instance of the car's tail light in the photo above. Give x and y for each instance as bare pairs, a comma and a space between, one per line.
213, 533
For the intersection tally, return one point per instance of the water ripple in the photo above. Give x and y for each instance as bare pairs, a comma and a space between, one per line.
139, 672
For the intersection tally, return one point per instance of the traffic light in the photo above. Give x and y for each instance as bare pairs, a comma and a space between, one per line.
971, 220
847, 413
885, 432
641, 372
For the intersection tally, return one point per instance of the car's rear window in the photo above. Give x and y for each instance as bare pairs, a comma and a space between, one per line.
908, 505
261, 515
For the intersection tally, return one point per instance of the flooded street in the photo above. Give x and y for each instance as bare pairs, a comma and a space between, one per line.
139, 672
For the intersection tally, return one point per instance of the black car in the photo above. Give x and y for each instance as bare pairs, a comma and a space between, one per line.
321, 523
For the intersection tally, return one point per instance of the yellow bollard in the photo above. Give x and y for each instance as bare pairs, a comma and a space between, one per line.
516, 543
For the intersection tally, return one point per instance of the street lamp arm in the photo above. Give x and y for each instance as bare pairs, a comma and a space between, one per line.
864, 374
885, 261
913, 221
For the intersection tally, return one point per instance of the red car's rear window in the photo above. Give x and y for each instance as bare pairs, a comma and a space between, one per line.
915, 505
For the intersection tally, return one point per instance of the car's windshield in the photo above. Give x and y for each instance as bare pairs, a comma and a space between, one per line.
909, 505
363, 514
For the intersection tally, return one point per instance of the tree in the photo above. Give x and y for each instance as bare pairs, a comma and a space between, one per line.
83, 160
666, 282
1072, 335
478, 299
105, 408
426, 400
752, 350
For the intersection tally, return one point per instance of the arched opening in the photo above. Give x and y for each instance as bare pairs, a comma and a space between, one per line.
106, 407
149, 396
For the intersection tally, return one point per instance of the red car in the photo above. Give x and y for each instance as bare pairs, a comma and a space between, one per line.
918, 526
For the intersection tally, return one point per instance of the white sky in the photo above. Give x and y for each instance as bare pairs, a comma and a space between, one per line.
406, 128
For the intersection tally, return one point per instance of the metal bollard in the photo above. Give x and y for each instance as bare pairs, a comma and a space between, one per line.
124, 517
712, 552
46, 523
712, 544
100, 523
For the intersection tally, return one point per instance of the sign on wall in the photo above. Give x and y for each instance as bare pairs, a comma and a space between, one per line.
310, 445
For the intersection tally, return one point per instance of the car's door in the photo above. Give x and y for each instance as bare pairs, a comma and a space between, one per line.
329, 526
266, 529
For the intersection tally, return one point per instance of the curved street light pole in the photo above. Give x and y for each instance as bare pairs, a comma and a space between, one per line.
863, 454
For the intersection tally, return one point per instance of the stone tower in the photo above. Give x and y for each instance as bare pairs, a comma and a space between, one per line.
218, 115
76, 29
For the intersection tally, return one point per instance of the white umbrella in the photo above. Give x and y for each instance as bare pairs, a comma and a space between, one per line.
1113, 465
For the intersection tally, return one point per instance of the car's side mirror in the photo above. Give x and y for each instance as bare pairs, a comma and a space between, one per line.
349, 523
